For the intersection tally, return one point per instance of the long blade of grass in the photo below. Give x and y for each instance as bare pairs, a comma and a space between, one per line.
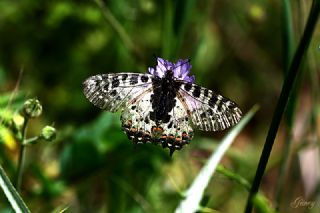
283, 99
287, 34
194, 194
119, 29
288, 50
12, 195
168, 38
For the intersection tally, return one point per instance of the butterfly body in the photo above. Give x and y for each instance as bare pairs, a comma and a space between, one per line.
163, 100
162, 107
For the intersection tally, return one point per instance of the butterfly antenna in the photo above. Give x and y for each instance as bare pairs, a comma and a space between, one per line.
154, 56
186, 61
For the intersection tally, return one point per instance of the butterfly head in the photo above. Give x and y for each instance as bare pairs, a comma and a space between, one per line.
178, 70
169, 74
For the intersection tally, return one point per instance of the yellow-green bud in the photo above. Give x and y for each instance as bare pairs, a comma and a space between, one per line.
48, 133
32, 108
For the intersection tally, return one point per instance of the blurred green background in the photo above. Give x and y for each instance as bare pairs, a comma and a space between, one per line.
237, 48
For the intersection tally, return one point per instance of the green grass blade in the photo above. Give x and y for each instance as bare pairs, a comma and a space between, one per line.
234, 177
262, 204
120, 30
287, 34
168, 38
12, 195
288, 50
194, 194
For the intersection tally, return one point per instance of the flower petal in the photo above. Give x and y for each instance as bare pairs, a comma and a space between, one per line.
151, 70
190, 79
180, 69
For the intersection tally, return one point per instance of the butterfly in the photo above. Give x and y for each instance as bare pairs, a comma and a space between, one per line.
161, 106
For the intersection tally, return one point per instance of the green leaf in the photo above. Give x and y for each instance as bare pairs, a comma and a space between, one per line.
12, 195
262, 204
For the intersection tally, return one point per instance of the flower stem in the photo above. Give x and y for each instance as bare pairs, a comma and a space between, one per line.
119, 29
22, 154
31, 140
283, 99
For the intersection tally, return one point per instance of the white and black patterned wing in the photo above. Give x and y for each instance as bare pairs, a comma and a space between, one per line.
209, 111
112, 92
140, 128
135, 118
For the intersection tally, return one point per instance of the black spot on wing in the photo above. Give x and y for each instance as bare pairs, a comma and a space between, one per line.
231, 105
144, 78
146, 120
196, 91
188, 87
106, 86
213, 100
206, 92
203, 115
134, 79
113, 92
115, 82
104, 77
124, 77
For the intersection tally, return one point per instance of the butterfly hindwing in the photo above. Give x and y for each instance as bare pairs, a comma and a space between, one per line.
140, 128
112, 92
209, 111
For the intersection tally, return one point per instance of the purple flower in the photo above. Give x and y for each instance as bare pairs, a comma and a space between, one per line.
180, 69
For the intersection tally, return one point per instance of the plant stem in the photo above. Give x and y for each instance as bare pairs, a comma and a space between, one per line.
32, 140
283, 99
117, 27
22, 154
287, 34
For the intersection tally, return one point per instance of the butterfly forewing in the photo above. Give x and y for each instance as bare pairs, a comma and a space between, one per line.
209, 111
112, 92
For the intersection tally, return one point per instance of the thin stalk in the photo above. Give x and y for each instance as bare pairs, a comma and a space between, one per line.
22, 154
168, 38
287, 33
32, 140
283, 99
117, 27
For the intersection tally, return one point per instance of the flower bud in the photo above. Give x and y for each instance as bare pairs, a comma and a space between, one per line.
48, 133
31, 108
